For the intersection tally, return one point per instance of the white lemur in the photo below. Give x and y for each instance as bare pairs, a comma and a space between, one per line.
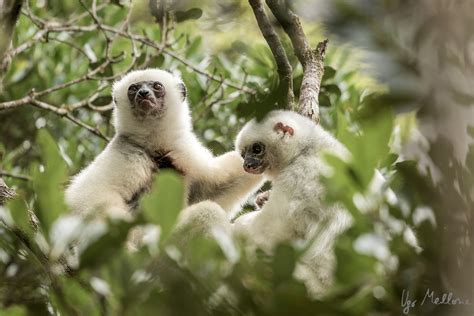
154, 130
288, 149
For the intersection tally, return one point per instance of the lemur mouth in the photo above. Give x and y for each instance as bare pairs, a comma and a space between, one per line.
254, 170
148, 106
147, 103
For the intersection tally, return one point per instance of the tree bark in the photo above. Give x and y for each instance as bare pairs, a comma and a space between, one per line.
9, 13
5, 192
312, 60
285, 71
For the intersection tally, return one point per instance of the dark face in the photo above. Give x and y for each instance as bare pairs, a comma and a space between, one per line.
254, 158
147, 98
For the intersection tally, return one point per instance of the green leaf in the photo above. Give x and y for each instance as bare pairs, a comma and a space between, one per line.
157, 61
284, 262
107, 246
332, 89
191, 14
470, 158
370, 145
201, 254
389, 160
348, 261
71, 298
163, 204
329, 73
260, 104
15, 310
216, 147
19, 212
324, 100
117, 3
342, 184
375, 141
194, 46
470, 130
47, 183
239, 46
102, 100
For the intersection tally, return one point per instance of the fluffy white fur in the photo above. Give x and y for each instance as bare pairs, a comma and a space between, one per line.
295, 210
118, 173
200, 220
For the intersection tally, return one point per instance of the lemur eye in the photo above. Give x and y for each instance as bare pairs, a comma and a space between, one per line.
133, 88
157, 85
257, 148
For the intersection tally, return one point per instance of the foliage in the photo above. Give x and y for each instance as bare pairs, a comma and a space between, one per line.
376, 259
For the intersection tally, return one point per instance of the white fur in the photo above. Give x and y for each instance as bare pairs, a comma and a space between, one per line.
295, 209
102, 186
116, 175
199, 220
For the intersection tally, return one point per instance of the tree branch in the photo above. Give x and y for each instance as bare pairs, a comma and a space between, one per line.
311, 60
47, 28
5, 192
9, 13
7, 174
285, 71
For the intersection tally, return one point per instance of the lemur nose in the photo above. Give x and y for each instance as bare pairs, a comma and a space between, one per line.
250, 163
143, 93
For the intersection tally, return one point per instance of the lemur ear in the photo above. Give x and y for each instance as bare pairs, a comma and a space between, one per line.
182, 90
285, 129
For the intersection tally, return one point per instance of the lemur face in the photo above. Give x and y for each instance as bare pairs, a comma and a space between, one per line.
147, 98
255, 158
267, 146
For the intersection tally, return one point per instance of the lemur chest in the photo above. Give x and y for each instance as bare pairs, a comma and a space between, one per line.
142, 175
140, 163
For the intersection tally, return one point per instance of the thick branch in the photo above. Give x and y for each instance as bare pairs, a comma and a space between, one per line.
284, 68
9, 12
311, 60
312, 75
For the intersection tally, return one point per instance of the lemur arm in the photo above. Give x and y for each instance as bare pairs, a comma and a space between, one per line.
229, 187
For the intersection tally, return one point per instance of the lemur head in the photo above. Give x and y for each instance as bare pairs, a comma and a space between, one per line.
144, 97
271, 144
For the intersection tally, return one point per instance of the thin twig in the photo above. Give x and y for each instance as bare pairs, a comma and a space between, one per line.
93, 14
46, 28
4, 173
144, 40
91, 129
79, 49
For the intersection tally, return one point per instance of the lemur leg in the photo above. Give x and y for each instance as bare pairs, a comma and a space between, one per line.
107, 204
